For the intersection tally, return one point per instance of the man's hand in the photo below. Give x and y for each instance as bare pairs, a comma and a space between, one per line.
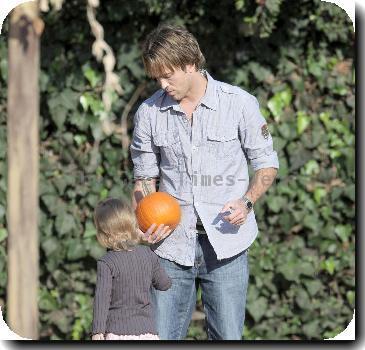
151, 237
238, 212
99, 336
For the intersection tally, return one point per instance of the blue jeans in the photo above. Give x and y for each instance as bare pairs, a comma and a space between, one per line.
223, 284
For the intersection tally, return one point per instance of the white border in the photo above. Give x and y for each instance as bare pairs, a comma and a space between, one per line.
6, 7
347, 5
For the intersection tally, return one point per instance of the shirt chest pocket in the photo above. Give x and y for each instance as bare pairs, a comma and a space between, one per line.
170, 148
222, 145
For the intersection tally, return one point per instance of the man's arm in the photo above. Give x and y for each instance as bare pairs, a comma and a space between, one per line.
258, 146
145, 156
261, 182
142, 187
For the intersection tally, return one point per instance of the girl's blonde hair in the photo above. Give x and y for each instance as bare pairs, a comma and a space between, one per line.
170, 47
116, 225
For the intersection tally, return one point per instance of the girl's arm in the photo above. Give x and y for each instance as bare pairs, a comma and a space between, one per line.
160, 279
102, 297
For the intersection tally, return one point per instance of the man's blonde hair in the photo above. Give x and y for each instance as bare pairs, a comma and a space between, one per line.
116, 225
170, 47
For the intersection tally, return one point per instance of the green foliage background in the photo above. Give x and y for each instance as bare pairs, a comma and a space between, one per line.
297, 58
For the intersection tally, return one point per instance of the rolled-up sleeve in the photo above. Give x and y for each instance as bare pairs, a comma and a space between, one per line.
255, 137
145, 155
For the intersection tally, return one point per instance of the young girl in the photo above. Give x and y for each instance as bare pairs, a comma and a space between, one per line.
125, 275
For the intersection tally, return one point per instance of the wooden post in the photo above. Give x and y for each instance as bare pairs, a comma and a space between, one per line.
22, 195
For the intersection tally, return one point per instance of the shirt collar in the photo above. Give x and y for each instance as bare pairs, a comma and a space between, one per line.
169, 102
209, 99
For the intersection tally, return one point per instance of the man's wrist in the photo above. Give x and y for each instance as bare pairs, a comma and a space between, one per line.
247, 203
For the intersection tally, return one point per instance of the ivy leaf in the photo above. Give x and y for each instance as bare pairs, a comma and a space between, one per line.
90, 230
91, 76
4, 68
3, 234
257, 308
313, 286
306, 269
311, 168
240, 4
350, 295
76, 250
311, 329
50, 202
97, 251
273, 6
278, 102
303, 122
68, 99
343, 232
319, 193
65, 224
59, 318
276, 107
276, 203
302, 299
60, 184
289, 271
50, 245
58, 114
314, 69
84, 102
260, 72
329, 265
47, 301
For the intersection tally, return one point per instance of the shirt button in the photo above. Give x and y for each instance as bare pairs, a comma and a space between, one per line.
194, 148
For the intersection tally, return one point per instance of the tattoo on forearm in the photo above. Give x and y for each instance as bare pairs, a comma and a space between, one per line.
267, 180
146, 187
262, 180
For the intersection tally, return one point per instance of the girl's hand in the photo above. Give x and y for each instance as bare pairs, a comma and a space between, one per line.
99, 336
151, 237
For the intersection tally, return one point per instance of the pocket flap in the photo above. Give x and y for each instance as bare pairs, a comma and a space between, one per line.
164, 139
221, 137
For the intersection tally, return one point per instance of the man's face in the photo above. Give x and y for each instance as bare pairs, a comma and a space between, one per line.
177, 82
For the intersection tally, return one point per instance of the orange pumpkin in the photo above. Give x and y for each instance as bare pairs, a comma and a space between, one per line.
158, 208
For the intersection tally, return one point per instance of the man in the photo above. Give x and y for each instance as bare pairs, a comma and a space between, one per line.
195, 135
